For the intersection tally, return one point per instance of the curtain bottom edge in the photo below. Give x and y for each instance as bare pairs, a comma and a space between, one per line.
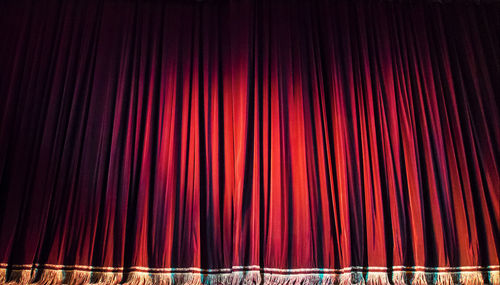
83, 277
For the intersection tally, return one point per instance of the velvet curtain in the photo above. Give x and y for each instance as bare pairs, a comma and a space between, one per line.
275, 142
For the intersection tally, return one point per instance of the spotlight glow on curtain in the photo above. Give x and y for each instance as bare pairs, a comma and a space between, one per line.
294, 142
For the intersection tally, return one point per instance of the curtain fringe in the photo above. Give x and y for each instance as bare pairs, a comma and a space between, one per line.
19, 276
3, 275
444, 278
141, 278
471, 278
494, 277
82, 277
296, 279
419, 278
106, 278
78, 277
47, 277
187, 278
377, 278
352, 278
399, 278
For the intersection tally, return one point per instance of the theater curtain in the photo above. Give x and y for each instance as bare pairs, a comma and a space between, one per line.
274, 142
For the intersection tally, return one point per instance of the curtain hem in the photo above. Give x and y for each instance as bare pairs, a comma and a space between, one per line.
61, 274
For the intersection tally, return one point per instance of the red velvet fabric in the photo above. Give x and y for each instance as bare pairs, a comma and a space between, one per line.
302, 134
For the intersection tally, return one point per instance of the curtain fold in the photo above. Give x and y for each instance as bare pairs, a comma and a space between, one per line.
249, 141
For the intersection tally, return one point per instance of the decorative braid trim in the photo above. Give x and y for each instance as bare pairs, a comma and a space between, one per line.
48, 274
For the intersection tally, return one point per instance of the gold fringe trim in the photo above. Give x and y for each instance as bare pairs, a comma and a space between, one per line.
163, 279
20, 277
352, 278
299, 279
471, 278
333, 278
494, 277
3, 275
377, 278
443, 278
216, 278
110, 278
77, 277
247, 278
399, 278
254, 277
49, 277
419, 278
329, 279
139, 278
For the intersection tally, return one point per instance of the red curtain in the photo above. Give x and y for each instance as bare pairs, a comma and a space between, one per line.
275, 142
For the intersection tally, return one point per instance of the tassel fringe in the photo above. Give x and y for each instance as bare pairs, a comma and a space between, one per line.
3, 275
49, 277
352, 278
20, 277
494, 277
377, 278
443, 278
471, 278
255, 277
216, 279
78, 277
300, 279
247, 278
108, 278
399, 278
139, 278
419, 278
330, 279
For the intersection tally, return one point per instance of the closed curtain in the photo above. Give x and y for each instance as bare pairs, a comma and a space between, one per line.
248, 142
